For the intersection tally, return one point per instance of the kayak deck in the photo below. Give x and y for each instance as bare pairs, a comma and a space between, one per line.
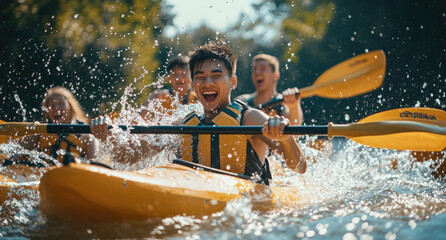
89, 193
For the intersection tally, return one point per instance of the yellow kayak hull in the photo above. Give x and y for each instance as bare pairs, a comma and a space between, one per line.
16, 178
81, 192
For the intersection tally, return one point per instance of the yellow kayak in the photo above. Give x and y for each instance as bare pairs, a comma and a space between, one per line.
81, 192
16, 178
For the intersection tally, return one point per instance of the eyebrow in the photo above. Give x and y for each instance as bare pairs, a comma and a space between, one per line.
197, 72
217, 70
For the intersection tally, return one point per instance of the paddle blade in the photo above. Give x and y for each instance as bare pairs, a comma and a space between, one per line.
4, 138
20, 129
418, 129
355, 76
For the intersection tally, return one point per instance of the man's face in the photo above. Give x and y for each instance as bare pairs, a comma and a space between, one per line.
263, 76
213, 83
180, 80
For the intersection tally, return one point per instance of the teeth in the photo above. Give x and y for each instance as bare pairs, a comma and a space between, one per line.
209, 92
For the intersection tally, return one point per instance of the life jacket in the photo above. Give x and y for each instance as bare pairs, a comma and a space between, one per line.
189, 97
232, 153
70, 144
165, 107
166, 103
271, 111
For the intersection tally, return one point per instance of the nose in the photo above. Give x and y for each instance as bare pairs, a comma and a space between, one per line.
207, 81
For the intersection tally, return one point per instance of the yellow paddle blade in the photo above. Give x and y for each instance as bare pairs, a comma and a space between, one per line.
20, 129
355, 76
4, 138
418, 129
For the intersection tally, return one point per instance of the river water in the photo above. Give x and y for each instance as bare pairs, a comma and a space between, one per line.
352, 192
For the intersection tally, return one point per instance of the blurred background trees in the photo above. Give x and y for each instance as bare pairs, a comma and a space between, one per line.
99, 48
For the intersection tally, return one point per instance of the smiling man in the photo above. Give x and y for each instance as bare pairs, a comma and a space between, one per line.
265, 75
212, 68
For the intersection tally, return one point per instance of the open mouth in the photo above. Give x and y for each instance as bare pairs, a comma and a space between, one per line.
259, 81
209, 95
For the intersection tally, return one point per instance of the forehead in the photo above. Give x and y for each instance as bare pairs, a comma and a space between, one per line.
261, 63
56, 98
210, 65
179, 69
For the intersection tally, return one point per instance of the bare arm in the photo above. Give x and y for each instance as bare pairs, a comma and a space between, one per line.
130, 151
91, 146
29, 142
243, 98
273, 137
294, 109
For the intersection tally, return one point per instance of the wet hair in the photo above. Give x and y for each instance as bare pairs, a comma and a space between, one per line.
76, 110
273, 61
217, 50
178, 61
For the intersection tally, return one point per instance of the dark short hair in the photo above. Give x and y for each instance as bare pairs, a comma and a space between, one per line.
217, 50
178, 61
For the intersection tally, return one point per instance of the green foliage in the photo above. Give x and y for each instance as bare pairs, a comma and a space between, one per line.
94, 48
307, 21
112, 28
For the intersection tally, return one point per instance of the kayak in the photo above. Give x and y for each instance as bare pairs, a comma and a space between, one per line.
16, 178
82, 192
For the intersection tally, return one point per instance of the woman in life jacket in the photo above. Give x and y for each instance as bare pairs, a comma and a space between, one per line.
59, 107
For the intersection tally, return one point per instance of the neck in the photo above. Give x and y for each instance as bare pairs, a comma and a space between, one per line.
261, 97
181, 94
211, 114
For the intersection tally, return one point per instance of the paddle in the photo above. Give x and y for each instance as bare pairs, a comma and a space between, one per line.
420, 129
3, 138
352, 77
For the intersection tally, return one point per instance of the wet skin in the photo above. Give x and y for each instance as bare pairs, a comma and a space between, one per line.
180, 79
213, 84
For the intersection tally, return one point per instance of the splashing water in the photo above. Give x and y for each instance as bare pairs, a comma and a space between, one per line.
17, 98
350, 192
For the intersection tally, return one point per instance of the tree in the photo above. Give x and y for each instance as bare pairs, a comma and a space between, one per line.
94, 48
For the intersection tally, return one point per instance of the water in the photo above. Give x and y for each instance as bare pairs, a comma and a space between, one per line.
351, 191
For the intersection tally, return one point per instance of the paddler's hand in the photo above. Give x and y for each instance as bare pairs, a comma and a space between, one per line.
291, 97
274, 127
99, 127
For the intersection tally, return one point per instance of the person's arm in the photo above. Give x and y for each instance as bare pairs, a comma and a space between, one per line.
131, 151
293, 111
161, 94
243, 98
90, 145
29, 143
273, 137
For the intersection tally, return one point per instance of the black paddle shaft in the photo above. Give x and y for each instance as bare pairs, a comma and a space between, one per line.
248, 130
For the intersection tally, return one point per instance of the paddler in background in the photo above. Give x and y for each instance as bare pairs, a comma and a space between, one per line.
213, 68
265, 76
59, 107
179, 79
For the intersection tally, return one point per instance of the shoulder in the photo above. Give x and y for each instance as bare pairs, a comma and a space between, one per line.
254, 117
243, 97
159, 93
